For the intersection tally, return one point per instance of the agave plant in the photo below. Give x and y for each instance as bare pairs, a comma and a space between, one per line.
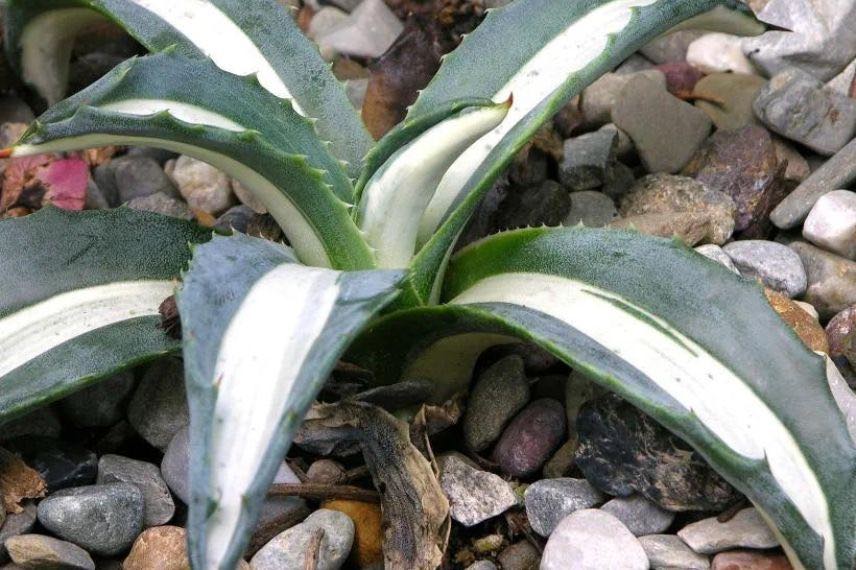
369, 272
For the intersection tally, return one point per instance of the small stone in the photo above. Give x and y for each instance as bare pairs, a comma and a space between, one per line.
101, 404
488, 544
670, 47
593, 540
796, 167
716, 253
727, 98
587, 158
623, 451
175, 465
43, 552
831, 224
277, 513
841, 332
16, 524
745, 560
530, 438
236, 218
639, 515
547, 203
837, 172
821, 43
159, 506
745, 530
368, 31
326, 471
482, 565
204, 187
247, 198
159, 406
474, 495
548, 501
137, 177
326, 20
104, 519
744, 165
519, 556
562, 461
61, 464
831, 279
681, 78
288, 549
681, 198
499, 393
663, 146
775, 265
160, 203
669, 552
367, 550
803, 322
159, 548
796, 105
718, 52
599, 98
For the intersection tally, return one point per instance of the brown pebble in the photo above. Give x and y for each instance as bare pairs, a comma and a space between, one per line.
746, 560
805, 325
530, 438
159, 548
841, 332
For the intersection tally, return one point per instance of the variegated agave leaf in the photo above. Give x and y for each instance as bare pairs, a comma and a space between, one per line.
559, 49
261, 335
242, 37
190, 106
687, 341
79, 298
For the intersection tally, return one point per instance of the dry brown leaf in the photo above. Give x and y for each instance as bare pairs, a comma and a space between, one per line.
415, 510
18, 481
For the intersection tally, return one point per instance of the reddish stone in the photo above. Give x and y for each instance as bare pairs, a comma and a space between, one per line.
681, 78
530, 438
747, 560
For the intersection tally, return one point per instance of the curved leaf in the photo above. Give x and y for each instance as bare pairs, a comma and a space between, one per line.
685, 340
80, 298
262, 333
154, 101
560, 48
242, 37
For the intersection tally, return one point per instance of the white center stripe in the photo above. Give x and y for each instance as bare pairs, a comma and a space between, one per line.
570, 51
261, 355
35, 330
721, 401
221, 39
181, 111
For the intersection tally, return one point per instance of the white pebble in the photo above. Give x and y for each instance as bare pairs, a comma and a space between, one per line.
831, 224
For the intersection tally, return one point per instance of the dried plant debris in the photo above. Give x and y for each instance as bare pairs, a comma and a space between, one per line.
18, 481
415, 510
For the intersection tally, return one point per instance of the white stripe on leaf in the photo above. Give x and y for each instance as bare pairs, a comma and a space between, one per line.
221, 39
720, 399
572, 50
39, 328
261, 355
185, 112
396, 196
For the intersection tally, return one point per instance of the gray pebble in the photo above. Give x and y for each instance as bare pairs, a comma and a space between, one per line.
499, 393
482, 565
592, 539
159, 506
16, 523
591, 209
745, 530
587, 158
288, 549
548, 501
715, 253
639, 515
669, 552
474, 495
159, 406
776, 265
104, 519
160, 203
175, 465
139, 176
831, 279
